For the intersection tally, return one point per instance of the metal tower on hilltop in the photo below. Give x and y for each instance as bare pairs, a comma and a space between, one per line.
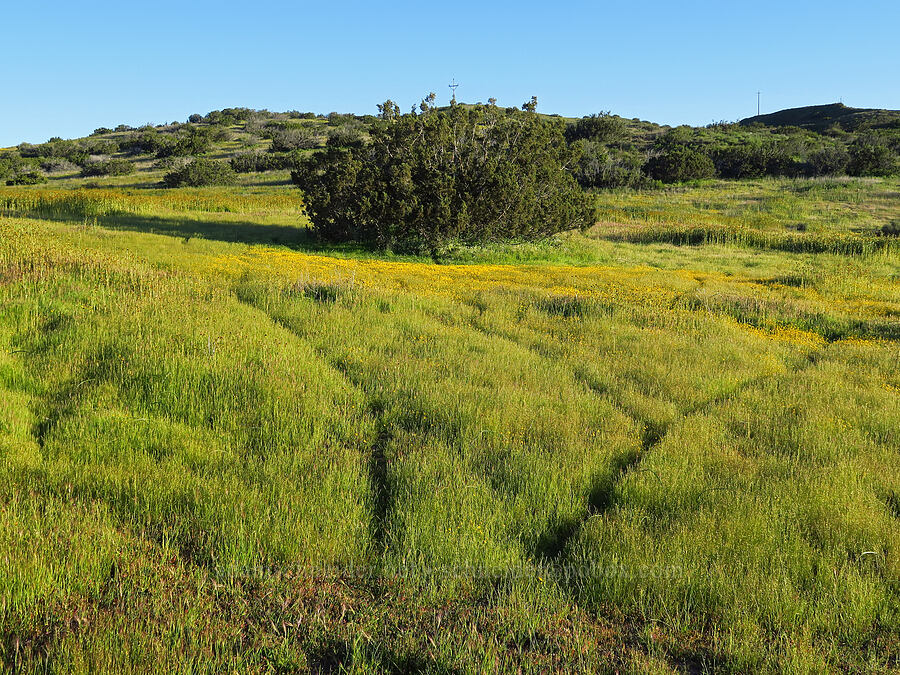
453, 85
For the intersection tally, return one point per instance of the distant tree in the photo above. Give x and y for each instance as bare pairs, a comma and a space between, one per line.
388, 110
530, 106
196, 118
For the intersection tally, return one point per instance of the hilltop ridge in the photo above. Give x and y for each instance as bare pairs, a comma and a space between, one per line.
823, 117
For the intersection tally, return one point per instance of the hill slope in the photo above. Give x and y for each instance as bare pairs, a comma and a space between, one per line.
823, 117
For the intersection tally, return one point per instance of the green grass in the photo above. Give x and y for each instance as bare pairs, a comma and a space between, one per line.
227, 451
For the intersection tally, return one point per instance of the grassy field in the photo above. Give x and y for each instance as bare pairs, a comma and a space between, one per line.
668, 444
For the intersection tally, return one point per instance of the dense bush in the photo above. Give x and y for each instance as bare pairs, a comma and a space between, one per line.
828, 161
248, 162
680, 163
345, 136
28, 178
12, 164
99, 146
288, 139
107, 167
190, 140
602, 167
602, 128
460, 174
57, 165
143, 142
872, 157
742, 161
200, 172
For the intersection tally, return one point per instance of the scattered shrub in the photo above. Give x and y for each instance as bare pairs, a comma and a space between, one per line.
829, 161
28, 178
108, 167
871, 157
680, 163
260, 161
285, 140
601, 128
602, 167
345, 136
57, 165
143, 142
200, 172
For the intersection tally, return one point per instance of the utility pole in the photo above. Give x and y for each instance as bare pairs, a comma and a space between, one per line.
453, 85
757, 103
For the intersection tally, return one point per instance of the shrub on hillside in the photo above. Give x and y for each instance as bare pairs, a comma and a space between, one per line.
57, 165
28, 178
190, 140
345, 136
601, 128
288, 139
256, 161
602, 167
200, 172
828, 161
742, 161
107, 167
143, 142
872, 157
680, 163
99, 146
467, 174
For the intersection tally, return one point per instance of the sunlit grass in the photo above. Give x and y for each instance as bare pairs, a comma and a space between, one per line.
220, 454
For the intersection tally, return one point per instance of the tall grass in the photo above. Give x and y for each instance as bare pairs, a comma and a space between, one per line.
218, 456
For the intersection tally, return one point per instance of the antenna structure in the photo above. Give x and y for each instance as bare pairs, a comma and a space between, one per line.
757, 103
453, 85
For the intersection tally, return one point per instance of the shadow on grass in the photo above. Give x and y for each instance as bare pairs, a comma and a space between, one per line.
231, 231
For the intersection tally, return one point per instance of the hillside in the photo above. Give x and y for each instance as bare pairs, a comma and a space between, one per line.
260, 148
823, 117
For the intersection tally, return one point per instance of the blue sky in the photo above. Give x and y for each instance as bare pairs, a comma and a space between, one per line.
68, 67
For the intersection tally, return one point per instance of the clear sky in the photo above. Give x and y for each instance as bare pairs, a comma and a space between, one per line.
69, 67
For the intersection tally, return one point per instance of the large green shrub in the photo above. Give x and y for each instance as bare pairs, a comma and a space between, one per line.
200, 172
680, 163
28, 178
108, 167
872, 157
600, 166
467, 174
602, 128
255, 161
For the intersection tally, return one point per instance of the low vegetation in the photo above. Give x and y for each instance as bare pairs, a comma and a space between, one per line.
224, 453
